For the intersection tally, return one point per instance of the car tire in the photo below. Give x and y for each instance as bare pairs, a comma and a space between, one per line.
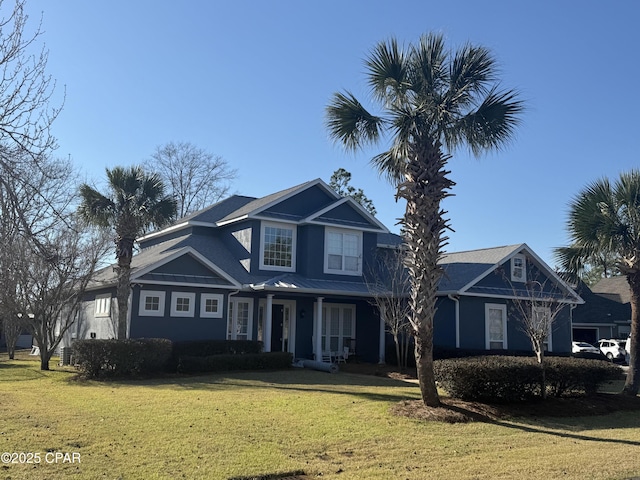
610, 357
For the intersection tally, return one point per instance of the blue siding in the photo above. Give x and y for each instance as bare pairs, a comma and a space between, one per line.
346, 214
367, 332
444, 328
472, 331
301, 205
177, 328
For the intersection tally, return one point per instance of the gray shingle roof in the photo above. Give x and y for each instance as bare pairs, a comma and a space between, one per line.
258, 203
614, 288
461, 268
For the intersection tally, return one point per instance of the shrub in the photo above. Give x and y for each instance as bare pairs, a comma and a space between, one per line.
489, 379
206, 348
119, 358
226, 362
514, 379
567, 376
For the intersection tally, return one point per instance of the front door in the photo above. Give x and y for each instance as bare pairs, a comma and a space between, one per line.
278, 337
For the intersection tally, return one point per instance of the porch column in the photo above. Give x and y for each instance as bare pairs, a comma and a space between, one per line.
382, 341
266, 337
318, 332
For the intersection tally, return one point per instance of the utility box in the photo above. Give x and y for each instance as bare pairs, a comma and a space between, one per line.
65, 356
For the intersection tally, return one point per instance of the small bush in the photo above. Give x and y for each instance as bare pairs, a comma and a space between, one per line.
514, 379
121, 358
223, 363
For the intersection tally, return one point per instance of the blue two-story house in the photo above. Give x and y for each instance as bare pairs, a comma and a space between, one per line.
290, 269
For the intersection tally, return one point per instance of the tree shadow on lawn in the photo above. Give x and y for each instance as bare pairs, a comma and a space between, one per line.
295, 379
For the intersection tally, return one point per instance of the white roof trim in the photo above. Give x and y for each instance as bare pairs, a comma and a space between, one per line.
179, 253
176, 227
295, 191
517, 250
312, 218
314, 291
185, 284
233, 220
508, 297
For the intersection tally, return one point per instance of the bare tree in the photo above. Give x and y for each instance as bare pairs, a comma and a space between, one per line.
12, 327
537, 303
50, 288
195, 177
388, 284
25, 93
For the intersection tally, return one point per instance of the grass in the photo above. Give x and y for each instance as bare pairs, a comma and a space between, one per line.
249, 424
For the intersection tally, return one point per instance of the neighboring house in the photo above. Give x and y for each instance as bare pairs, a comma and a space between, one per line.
606, 312
289, 269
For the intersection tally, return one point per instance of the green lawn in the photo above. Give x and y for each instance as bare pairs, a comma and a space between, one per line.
337, 426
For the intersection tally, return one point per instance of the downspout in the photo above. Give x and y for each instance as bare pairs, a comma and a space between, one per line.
571, 308
456, 300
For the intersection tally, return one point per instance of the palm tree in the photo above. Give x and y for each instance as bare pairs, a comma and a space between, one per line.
604, 220
135, 202
433, 101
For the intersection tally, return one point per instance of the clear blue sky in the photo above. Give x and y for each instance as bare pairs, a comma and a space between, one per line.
249, 80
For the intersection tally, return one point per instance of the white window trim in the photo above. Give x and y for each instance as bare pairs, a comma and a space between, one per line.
523, 277
325, 317
174, 303
343, 231
203, 301
143, 312
495, 306
287, 226
232, 322
103, 305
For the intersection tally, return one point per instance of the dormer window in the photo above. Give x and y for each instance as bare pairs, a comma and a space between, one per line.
278, 247
343, 251
518, 268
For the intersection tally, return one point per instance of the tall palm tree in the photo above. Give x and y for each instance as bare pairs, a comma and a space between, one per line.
604, 220
135, 202
432, 101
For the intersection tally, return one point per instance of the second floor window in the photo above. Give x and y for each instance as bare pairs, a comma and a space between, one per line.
277, 247
343, 252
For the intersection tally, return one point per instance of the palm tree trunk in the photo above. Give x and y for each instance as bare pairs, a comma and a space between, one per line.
426, 185
124, 253
631, 386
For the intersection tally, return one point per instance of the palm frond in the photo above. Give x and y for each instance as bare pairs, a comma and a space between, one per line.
389, 166
95, 207
387, 72
471, 71
490, 126
350, 123
429, 72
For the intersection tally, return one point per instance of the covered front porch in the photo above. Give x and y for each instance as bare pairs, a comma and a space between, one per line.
320, 327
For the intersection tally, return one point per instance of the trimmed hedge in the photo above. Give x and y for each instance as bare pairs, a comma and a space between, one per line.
120, 358
207, 348
567, 376
223, 363
515, 379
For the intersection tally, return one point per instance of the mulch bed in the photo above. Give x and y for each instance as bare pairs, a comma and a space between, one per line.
459, 411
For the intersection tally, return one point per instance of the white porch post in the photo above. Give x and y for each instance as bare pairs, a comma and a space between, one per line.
267, 323
318, 332
382, 341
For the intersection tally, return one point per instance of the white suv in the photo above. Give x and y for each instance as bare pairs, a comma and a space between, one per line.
612, 349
